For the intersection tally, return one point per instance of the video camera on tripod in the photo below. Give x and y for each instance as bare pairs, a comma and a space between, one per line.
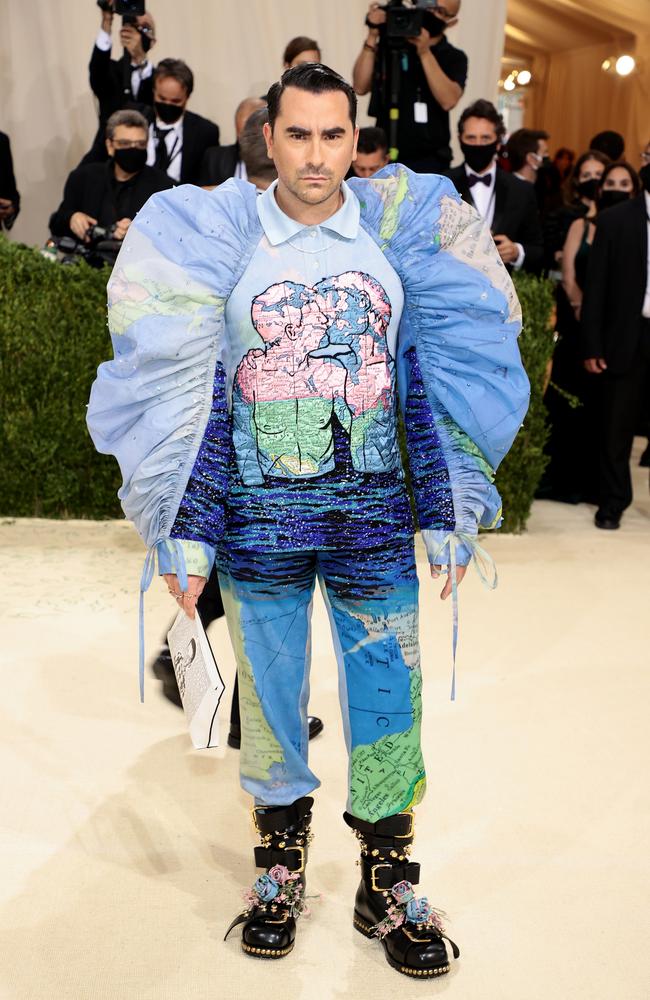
405, 20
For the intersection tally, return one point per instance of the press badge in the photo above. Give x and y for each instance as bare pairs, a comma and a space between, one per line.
420, 113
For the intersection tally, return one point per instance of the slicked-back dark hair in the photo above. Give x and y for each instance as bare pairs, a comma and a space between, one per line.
178, 70
315, 79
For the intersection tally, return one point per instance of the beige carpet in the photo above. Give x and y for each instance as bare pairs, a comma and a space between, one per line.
124, 851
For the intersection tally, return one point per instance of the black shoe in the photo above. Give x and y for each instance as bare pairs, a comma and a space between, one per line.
385, 905
609, 522
269, 929
234, 736
163, 669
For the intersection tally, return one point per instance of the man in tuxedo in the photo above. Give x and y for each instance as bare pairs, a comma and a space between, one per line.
111, 193
9, 197
178, 138
615, 323
125, 82
506, 202
221, 162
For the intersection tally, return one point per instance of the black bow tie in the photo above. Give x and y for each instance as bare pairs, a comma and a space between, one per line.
479, 179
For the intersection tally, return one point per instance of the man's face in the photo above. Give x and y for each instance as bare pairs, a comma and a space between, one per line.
127, 137
478, 132
312, 144
536, 159
367, 164
167, 90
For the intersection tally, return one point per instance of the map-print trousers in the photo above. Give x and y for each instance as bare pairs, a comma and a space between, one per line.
371, 597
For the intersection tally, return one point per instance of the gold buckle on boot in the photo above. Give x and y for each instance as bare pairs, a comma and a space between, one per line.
411, 830
373, 884
301, 851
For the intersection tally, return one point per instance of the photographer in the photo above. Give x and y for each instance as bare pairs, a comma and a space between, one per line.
125, 82
431, 80
107, 194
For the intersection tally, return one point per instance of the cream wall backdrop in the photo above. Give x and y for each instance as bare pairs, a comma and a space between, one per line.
233, 46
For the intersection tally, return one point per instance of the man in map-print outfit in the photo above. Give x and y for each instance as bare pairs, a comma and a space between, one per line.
252, 405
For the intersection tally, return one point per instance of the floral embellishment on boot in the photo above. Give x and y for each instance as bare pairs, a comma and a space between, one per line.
408, 908
278, 887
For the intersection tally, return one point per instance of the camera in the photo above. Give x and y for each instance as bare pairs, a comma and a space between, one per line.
402, 22
129, 10
97, 234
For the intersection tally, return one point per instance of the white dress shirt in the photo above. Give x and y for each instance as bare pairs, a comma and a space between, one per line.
483, 196
646, 302
174, 143
138, 73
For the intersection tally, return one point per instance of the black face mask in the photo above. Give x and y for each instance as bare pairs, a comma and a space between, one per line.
589, 189
130, 160
644, 176
168, 113
478, 158
609, 198
434, 24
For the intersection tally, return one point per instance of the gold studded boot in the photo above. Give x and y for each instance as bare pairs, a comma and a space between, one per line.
277, 897
386, 906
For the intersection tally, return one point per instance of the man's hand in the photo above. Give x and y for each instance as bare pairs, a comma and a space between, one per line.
376, 15
121, 229
422, 43
131, 39
80, 223
7, 208
595, 366
186, 601
107, 21
446, 590
508, 251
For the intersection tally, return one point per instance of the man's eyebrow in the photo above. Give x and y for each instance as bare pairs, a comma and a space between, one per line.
299, 130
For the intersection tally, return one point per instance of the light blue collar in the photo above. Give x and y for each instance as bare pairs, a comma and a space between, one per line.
279, 228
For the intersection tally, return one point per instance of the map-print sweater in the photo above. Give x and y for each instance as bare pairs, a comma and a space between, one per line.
252, 398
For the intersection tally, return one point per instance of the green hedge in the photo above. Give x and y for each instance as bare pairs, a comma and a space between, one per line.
52, 337
521, 470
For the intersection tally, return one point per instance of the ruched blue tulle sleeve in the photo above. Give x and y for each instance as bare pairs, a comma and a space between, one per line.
463, 389
150, 406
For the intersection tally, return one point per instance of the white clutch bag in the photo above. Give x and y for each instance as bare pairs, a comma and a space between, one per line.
199, 681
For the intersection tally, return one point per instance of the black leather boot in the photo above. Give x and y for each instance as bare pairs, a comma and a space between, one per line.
277, 897
386, 907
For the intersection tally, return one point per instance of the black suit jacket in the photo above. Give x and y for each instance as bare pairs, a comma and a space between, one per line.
8, 187
90, 189
617, 274
219, 163
198, 135
515, 212
107, 81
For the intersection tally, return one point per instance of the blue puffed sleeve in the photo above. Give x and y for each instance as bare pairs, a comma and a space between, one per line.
463, 388
159, 406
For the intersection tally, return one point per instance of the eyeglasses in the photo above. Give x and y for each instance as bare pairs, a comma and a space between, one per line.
130, 144
645, 156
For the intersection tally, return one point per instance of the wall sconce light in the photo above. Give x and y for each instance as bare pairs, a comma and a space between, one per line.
623, 65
